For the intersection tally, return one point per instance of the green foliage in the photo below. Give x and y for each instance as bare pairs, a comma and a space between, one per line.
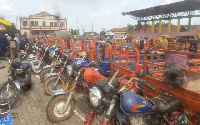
130, 27
74, 32
163, 24
103, 32
11, 29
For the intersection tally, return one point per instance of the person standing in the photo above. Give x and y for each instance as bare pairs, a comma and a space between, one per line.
13, 47
3, 43
24, 41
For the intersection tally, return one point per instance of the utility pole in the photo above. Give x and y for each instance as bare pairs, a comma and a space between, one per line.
77, 27
16, 24
92, 27
83, 30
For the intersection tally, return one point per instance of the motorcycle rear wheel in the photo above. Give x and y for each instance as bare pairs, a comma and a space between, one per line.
13, 94
54, 108
49, 84
44, 73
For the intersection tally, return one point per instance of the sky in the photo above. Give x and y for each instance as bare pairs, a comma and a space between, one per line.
82, 14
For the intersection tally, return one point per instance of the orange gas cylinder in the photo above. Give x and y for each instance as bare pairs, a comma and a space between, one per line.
91, 75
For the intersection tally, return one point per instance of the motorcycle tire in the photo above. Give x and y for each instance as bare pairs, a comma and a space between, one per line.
15, 95
36, 70
55, 115
48, 84
43, 74
22, 57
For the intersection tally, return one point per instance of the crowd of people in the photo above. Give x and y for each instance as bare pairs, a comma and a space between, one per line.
10, 44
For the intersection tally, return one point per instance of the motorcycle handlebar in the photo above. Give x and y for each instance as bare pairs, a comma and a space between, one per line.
4, 58
144, 83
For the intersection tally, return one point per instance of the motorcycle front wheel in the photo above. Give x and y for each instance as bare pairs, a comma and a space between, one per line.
10, 94
45, 74
55, 108
50, 85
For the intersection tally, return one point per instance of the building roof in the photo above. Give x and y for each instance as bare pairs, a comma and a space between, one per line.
43, 13
177, 7
118, 30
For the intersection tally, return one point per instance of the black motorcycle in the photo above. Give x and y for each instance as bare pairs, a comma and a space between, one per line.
19, 78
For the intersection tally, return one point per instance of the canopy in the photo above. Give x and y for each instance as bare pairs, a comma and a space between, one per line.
4, 23
177, 7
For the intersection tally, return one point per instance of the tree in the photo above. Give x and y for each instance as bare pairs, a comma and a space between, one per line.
74, 32
130, 27
103, 32
11, 29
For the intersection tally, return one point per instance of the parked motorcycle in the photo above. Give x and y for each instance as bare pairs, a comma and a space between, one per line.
56, 64
62, 104
24, 53
56, 81
19, 78
122, 106
46, 57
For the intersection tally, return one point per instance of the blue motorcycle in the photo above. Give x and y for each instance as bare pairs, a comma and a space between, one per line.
123, 106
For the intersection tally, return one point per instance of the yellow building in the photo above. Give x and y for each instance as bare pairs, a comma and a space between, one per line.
119, 31
42, 24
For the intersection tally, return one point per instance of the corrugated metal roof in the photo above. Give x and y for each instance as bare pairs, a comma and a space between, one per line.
182, 6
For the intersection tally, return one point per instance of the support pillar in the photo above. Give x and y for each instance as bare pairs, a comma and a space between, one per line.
160, 25
145, 26
138, 26
178, 25
152, 26
169, 26
189, 24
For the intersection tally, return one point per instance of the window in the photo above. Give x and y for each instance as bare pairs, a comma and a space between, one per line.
36, 23
32, 23
24, 23
62, 24
55, 24
44, 23
51, 24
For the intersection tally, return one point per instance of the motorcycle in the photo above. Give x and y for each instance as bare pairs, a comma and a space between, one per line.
123, 106
62, 104
19, 78
24, 53
56, 81
46, 57
5, 117
56, 64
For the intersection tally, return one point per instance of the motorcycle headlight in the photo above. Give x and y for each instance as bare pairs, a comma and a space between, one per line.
19, 71
69, 70
95, 96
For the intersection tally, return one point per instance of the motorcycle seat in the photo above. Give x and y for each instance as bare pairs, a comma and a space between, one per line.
26, 65
15, 64
165, 103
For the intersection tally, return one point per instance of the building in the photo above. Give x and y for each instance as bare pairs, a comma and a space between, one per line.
42, 24
118, 31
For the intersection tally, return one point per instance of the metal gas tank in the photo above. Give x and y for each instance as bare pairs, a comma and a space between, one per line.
91, 75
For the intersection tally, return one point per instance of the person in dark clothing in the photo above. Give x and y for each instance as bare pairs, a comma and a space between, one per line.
3, 44
24, 41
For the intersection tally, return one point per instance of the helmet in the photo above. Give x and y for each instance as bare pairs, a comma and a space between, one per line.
132, 103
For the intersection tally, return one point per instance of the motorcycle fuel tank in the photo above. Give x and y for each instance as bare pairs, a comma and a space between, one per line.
133, 104
79, 60
91, 75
